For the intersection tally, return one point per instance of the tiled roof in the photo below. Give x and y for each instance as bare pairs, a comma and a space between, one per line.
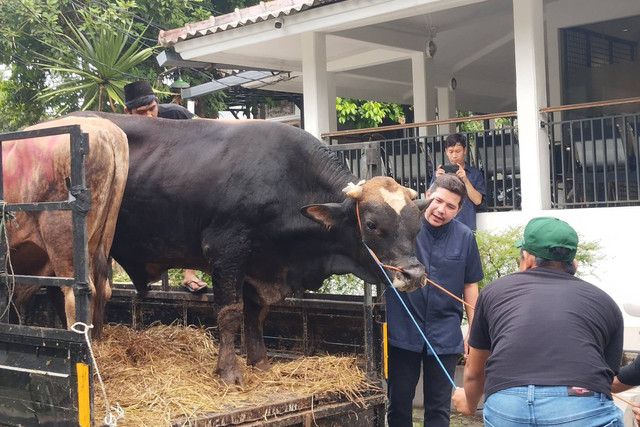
239, 18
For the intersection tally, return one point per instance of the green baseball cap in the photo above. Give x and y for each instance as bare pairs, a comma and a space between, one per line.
543, 233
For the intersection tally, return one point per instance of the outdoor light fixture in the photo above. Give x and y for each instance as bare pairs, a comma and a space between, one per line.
179, 84
431, 47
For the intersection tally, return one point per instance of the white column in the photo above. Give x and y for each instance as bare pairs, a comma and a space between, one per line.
423, 90
446, 109
314, 83
419, 76
528, 24
331, 102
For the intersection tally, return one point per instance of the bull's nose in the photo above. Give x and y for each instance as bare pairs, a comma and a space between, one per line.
415, 273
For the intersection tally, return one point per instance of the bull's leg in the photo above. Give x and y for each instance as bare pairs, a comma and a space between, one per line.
138, 275
69, 305
227, 274
229, 319
254, 315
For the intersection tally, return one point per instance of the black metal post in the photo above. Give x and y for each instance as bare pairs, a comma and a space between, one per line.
79, 148
4, 283
369, 339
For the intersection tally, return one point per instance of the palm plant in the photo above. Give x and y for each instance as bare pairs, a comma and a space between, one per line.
98, 67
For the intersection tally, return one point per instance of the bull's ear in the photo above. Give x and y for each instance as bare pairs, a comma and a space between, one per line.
327, 214
423, 204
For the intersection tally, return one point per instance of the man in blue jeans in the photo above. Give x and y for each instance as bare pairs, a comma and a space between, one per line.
544, 345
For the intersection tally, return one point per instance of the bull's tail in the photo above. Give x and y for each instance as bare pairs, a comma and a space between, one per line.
113, 183
100, 277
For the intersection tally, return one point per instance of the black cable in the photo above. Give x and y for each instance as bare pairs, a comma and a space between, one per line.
121, 30
16, 57
125, 11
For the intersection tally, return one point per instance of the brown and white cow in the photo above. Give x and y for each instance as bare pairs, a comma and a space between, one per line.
34, 170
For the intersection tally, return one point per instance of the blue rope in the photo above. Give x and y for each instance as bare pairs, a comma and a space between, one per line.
410, 315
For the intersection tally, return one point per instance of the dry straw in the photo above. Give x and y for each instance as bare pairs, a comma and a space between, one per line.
165, 373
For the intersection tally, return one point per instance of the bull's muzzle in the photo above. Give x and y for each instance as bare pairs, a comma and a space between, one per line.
409, 278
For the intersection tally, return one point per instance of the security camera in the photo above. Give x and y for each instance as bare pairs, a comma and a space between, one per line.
278, 23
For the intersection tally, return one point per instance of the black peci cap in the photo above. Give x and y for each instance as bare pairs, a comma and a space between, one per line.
137, 94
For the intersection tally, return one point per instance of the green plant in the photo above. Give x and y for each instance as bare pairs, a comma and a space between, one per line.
344, 284
98, 70
366, 114
175, 275
500, 256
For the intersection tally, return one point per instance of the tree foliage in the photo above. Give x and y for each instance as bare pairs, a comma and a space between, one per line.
98, 70
33, 32
500, 256
61, 55
366, 114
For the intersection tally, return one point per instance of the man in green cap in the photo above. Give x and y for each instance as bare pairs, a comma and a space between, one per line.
544, 345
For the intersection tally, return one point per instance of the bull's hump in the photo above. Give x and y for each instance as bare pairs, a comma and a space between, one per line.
396, 199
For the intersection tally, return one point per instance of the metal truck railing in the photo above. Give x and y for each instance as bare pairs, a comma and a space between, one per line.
46, 374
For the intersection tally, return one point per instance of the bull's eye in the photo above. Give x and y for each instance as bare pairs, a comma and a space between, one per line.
371, 225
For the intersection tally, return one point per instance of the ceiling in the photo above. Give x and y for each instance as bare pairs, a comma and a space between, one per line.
371, 56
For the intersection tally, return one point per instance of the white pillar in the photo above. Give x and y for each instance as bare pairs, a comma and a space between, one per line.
331, 102
528, 24
314, 83
419, 76
423, 89
446, 109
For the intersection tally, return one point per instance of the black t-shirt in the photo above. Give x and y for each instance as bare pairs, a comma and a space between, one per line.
174, 111
630, 374
546, 327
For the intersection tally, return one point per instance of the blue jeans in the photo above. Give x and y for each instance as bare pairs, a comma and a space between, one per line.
549, 406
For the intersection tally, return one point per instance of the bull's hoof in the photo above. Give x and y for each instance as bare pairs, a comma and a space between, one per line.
232, 378
262, 364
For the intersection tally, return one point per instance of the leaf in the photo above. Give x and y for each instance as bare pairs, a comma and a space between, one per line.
101, 63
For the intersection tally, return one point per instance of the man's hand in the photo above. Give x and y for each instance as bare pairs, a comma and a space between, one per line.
459, 399
462, 175
636, 412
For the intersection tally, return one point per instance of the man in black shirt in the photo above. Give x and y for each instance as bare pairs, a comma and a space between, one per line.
544, 345
629, 377
140, 100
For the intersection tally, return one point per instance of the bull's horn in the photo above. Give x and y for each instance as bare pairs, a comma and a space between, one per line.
353, 190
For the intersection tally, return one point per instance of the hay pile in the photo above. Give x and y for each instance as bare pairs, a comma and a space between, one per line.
164, 373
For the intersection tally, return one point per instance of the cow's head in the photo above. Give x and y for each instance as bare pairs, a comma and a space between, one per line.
381, 213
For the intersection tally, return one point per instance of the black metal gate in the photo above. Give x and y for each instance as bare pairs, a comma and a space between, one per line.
46, 374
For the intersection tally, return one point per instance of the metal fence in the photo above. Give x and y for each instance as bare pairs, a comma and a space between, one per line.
412, 159
594, 161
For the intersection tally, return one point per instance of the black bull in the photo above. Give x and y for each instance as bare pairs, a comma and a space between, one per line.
236, 199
